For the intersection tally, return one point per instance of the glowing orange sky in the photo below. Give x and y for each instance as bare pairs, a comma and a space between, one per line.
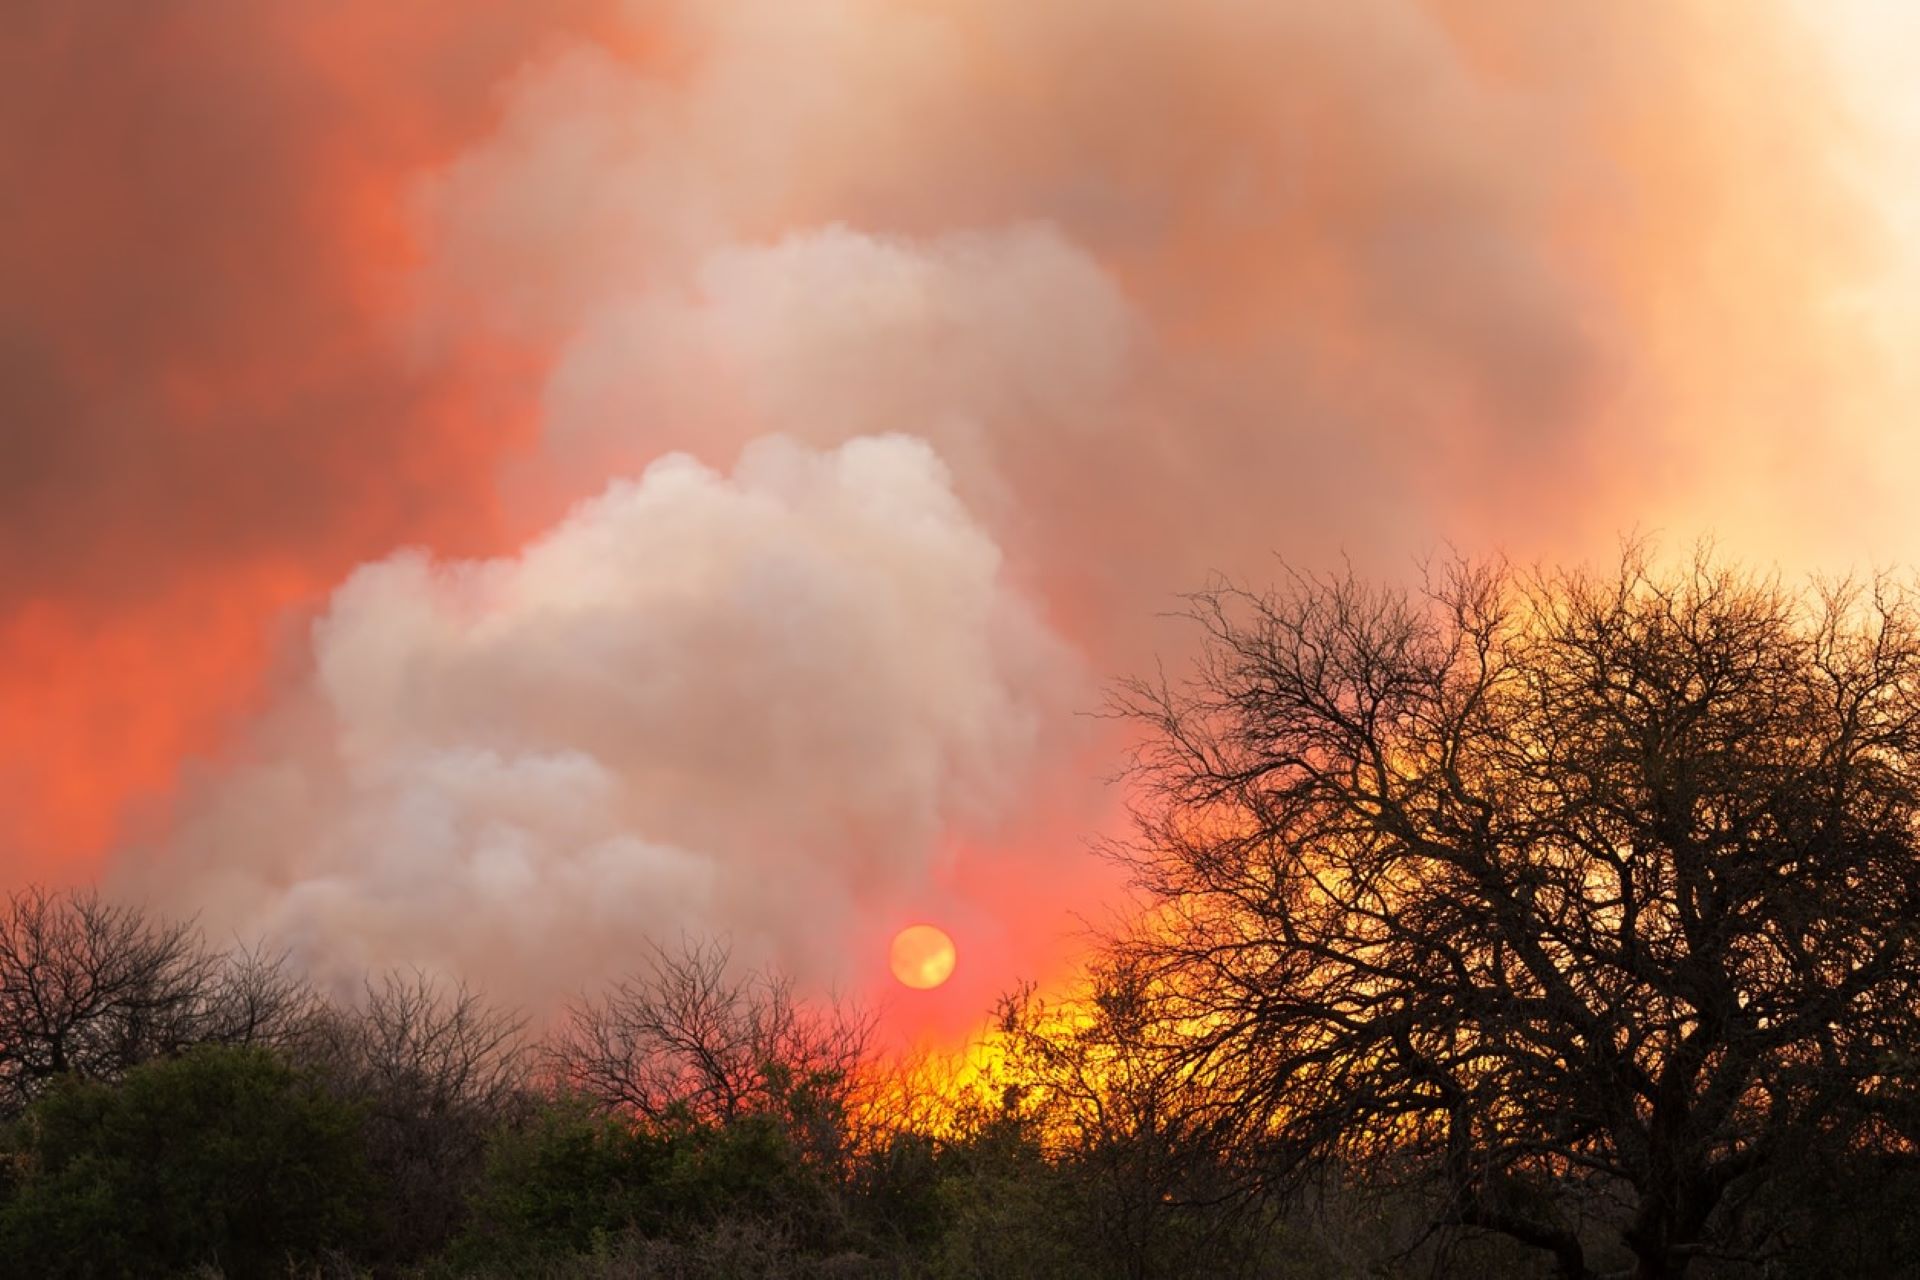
227, 385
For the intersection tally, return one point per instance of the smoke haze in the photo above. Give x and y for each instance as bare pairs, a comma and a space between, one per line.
755, 706
796, 412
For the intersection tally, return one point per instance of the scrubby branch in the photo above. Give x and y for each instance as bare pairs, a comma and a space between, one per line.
91, 988
692, 1038
1570, 887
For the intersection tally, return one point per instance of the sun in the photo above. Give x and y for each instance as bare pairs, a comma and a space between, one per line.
923, 956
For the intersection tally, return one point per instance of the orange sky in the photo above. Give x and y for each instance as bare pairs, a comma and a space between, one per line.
1165, 289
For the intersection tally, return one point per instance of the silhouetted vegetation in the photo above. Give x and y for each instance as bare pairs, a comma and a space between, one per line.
1558, 924
223, 1157
89, 989
1591, 905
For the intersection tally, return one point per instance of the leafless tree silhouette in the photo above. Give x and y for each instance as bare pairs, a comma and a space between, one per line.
1592, 899
91, 988
438, 1070
690, 1037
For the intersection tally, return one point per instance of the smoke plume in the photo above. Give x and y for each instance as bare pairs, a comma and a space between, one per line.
756, 706
798, 412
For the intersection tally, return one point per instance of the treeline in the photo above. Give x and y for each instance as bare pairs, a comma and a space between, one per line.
1554, 924
166, 1108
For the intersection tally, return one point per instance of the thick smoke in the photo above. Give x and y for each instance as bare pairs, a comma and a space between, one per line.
972, 332
1400, 271
759, 706
204, 418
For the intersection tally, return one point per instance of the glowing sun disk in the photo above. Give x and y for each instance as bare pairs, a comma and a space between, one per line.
922, 956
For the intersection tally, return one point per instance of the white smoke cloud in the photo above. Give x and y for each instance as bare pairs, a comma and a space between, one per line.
1157, 286
1156, 290
755, 705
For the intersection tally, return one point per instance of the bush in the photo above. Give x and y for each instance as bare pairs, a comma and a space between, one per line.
223, 1158
569, 1179
575, 1179
435, 1072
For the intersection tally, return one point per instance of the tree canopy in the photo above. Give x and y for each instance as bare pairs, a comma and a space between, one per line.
1589, 900
224, 1158
1525, 920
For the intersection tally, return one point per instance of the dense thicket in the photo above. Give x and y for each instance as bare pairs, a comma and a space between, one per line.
692, 1121
223, 1157
1561, 924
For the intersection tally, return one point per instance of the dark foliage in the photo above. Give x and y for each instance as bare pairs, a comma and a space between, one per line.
1591, 901
690, 1040
1557, 924
434, 1074
224, 1158
89, 989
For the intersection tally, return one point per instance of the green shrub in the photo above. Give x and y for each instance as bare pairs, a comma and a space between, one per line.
573, 1179
223, 1158
569, 1178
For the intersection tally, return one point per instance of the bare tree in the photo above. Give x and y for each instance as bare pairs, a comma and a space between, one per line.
1591, 899
691, 1037
91, 988
438, 1070
444, 1045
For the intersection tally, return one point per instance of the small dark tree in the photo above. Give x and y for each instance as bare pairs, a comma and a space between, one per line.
1128, 1131
91, 988
1593, 899
692, 1040
436, 1071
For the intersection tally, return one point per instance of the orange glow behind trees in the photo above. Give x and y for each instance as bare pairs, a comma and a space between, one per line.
1540, 301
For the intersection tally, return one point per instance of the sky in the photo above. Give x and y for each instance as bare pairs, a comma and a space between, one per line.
488, 492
